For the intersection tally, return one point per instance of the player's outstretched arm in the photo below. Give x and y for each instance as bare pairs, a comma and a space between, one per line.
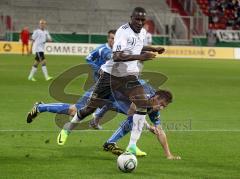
159, 50
121, 57
162, 138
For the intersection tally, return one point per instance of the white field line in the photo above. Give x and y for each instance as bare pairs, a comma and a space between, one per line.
110, 130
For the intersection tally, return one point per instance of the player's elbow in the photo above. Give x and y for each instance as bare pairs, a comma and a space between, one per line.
72, 110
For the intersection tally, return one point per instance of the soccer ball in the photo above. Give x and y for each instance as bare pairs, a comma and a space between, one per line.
127, 162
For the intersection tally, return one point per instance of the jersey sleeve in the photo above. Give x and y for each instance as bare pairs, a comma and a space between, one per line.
155, 118
91, 59
34, 35
106, 55
48, 36
120, 40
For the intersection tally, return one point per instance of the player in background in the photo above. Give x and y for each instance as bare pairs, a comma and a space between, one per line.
121, 74
39, 37
95, 59
24, 37
101, 54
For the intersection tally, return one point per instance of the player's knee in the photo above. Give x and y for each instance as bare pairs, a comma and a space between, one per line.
84, 112
35, 64
43, 63
72, 110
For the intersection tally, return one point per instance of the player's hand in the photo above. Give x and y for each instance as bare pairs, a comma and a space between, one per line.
147, 56
172, 157
159, 50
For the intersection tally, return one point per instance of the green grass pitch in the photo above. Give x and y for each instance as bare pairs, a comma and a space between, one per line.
206, 103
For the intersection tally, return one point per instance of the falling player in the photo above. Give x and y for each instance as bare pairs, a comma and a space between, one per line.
121, 74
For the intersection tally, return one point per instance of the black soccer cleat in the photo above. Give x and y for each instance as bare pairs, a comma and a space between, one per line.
112, 147
33, 113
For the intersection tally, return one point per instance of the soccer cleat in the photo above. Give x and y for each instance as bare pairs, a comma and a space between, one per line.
49, 78
112, 147
136, 151
62, 137
33, 113
32, 79
94, 125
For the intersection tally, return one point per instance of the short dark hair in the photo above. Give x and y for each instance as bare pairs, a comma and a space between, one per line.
112, 31
139, 9
164, 94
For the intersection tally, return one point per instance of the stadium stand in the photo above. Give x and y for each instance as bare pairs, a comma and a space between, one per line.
97, 17
222, 14
81, 16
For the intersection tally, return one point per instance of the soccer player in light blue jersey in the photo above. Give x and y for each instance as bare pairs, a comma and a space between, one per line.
101, 54
124, 105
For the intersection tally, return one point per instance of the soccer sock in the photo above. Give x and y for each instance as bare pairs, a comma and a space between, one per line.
125, 127
44, 70
101, 111
60, 108
72, 124
138, 123
32, 72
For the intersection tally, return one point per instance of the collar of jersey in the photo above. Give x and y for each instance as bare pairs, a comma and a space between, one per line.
108, 46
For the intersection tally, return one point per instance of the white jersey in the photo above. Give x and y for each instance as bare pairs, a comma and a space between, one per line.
40, 37
130, 43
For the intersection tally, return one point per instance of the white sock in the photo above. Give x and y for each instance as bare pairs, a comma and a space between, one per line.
75, 119
72, 124
138, 123
32, 72
45, 72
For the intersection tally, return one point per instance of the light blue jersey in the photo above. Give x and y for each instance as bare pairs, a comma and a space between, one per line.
98, 57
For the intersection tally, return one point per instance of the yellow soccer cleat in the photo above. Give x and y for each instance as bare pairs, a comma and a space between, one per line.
49, 78
136, 151
32, 79
62, 137
140, 153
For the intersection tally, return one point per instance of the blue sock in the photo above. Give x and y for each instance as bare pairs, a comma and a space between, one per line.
125, 127
60, 108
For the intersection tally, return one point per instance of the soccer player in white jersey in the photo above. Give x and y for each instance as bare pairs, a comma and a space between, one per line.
121, 74
39, 37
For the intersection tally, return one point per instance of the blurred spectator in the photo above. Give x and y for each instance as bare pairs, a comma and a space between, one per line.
224, 14
211, 37
24, 37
